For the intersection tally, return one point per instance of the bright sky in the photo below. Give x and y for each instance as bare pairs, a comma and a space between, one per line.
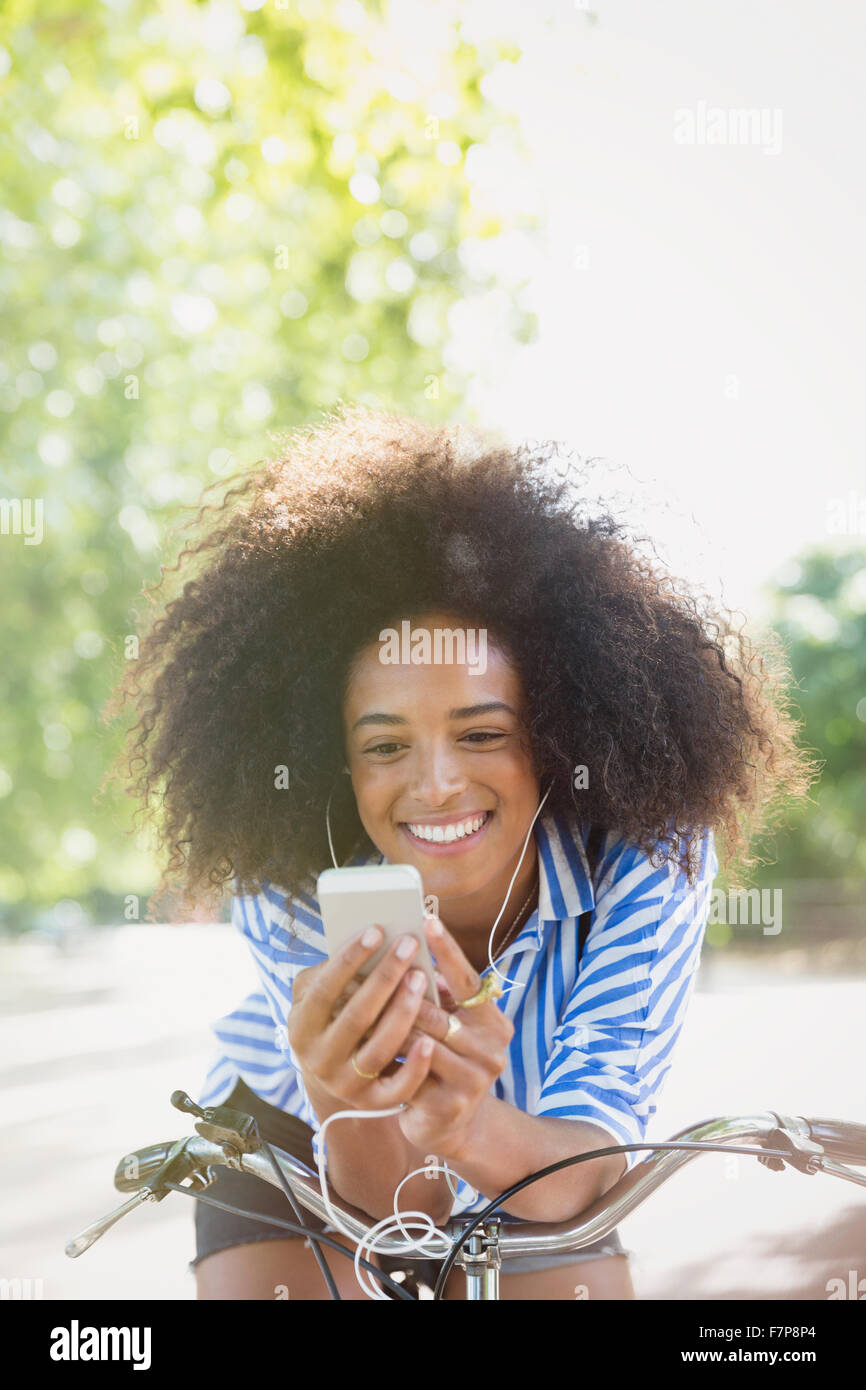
702, 305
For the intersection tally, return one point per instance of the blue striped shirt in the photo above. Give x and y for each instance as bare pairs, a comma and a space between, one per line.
593, 1044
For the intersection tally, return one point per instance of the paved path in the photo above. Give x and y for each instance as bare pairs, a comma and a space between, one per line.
94, 1040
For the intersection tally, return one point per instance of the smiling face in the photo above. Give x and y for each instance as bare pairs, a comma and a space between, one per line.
426, 755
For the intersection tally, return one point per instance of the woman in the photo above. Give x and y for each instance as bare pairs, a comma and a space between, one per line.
587, 705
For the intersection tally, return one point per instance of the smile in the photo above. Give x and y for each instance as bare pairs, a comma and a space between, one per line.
456, 835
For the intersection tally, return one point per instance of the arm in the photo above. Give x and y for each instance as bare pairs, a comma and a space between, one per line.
614, 1047
366, 1158
610, 1053
508, 1145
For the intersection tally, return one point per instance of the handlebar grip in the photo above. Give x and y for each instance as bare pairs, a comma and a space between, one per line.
841, 1139
135, 1168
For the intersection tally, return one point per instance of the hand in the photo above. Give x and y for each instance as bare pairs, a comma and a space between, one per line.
371, 1026
444, 1110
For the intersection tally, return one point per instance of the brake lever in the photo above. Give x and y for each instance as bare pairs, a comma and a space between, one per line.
178, 1165
90, 1235
793, 1133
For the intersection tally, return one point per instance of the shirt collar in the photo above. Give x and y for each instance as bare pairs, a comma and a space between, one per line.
564, 881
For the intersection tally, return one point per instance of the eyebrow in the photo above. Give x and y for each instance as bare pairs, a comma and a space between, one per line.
465, 712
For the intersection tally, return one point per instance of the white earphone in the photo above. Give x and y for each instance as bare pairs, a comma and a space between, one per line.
432, 1241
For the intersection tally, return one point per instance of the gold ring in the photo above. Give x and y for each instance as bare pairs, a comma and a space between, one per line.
454, 1026
490, 989
367, 1075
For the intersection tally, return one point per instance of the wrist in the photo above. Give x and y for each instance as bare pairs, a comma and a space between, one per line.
323, 1101
463, 1147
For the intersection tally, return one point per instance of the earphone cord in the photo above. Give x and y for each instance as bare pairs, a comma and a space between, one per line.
432, 1236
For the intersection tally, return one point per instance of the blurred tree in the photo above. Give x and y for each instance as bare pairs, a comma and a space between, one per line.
215, 218
819, 609
808, 890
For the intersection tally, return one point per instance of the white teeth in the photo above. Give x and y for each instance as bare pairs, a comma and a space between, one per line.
447, 834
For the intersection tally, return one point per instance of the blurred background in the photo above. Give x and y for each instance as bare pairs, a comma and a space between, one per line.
634, 229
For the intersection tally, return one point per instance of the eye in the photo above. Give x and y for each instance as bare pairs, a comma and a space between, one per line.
384, 747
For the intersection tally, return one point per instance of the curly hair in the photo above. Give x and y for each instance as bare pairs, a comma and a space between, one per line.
368, 518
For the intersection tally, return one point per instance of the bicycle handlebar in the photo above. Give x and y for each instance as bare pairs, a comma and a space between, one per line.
811, 1145
841, 1139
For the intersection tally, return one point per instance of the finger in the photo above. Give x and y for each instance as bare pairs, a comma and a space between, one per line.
334, 975
472, 1045
429, 1020
382, 1044
302, 982
368, 1001
453, 1070
354, 983
460, 975
394, 1068
405, 1083
444, 992
437, 1022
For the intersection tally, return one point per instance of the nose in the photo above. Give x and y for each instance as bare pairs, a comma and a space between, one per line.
437, 776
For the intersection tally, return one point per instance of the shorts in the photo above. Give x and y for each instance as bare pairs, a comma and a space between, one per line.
220, 1230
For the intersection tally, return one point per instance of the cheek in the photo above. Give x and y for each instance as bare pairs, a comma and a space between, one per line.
372, 797
514, 764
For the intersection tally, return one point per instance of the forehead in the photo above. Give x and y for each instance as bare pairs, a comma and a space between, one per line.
434, 687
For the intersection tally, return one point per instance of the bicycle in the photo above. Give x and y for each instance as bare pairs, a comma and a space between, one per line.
480, 1242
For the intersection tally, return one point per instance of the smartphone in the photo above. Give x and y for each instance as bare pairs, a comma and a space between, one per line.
387, 895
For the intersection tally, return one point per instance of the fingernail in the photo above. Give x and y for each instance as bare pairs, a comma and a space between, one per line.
425, 1047
417, 981
372, 936
434, 926
407, 947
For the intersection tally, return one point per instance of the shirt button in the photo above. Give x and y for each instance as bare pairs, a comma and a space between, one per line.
581, 1036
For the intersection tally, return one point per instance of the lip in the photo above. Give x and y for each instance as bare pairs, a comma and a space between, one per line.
455, 846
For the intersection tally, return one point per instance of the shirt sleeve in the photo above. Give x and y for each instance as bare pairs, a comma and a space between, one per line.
283, 938
615, 1041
